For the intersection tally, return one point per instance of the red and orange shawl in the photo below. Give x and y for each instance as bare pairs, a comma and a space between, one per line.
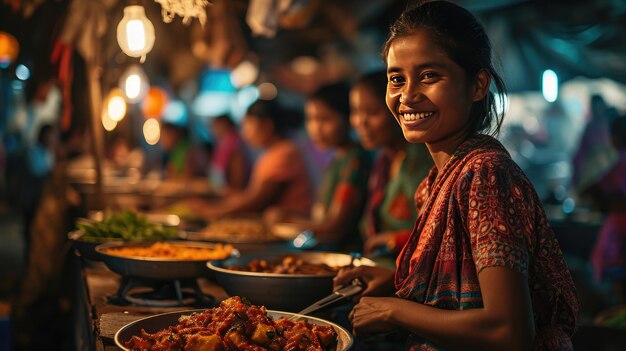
480, 211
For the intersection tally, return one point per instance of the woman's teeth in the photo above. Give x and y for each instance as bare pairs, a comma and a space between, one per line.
416, 116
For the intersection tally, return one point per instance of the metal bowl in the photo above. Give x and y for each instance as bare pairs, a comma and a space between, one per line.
245, 243
157, 268
158, 322
86, 249
286, 292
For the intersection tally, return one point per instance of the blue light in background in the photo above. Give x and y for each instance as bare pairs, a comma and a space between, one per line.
211, 104
550, 85
216, 80
22, 72
245, 97
176, 113
569, 205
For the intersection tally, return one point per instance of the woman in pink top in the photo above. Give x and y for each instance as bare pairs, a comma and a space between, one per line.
279, 177
230, 164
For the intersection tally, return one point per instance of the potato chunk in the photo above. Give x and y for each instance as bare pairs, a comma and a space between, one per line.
262, 333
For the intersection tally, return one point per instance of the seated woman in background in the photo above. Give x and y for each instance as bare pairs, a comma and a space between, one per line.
230, 163
279, 177
608, 257
342, 191
390, 212
179, 158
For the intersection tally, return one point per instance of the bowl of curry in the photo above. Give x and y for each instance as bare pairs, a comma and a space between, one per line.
282, 281
233, 325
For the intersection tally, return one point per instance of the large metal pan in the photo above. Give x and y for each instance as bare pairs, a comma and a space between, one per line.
158, 322
87, 248
156, 268
245, 240
287, 292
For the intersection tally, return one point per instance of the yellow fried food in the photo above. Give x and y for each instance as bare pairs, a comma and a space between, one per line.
171, 251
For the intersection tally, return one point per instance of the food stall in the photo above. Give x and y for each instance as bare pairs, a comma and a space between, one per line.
132, 89
151, 272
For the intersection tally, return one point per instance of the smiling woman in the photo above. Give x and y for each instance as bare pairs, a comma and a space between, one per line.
427, 69
482, 268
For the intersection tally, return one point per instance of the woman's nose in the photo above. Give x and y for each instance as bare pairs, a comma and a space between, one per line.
411, 95
358, 120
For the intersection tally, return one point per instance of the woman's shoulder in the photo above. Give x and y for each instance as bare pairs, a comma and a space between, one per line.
488, 162
487, 153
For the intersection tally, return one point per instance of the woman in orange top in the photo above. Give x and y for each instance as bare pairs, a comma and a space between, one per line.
279, 177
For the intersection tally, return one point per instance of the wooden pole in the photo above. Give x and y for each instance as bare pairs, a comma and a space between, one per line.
94, 73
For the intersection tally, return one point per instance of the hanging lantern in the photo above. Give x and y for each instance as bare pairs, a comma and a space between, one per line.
9, 48
135, 32
134, 84
154, 103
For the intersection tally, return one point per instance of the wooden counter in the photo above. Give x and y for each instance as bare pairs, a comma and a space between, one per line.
100, 314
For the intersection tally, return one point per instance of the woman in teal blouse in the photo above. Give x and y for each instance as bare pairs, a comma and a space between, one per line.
342, 192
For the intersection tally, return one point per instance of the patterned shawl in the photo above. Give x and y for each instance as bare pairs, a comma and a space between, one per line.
481, 211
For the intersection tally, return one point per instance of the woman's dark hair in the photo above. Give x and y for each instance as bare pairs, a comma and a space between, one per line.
465, 41
270, 110
337, 96
376, 81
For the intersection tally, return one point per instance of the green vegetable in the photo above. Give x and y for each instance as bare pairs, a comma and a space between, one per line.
127, 226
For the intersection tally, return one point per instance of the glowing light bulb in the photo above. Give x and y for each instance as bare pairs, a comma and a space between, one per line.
115, 105
550, 87
108, 123
134, 83
151, 131
244, 74
135, 32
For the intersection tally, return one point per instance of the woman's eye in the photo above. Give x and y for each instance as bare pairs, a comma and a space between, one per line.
429, 76
396, 79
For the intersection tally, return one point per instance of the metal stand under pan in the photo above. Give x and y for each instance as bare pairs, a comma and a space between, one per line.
153, 293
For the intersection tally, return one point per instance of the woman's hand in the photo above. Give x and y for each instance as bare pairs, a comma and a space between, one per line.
378, 280
372, 314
